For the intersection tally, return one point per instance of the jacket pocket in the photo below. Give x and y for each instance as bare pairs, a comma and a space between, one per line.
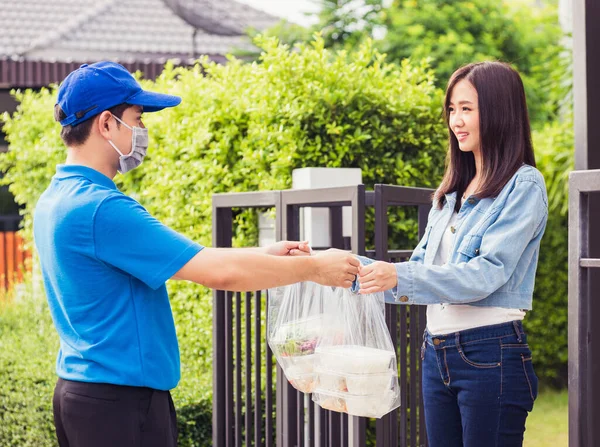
470, 247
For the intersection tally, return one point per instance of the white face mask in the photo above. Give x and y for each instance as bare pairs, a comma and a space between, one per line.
139, 148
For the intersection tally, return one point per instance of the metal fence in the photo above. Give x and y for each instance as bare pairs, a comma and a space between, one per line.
253, 404
584, 361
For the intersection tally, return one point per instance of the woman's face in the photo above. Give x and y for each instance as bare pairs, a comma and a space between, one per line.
464, 117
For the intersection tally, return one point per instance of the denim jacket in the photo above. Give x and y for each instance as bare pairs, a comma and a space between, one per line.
495, 253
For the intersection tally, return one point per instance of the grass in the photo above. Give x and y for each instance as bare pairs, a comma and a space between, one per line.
547, 425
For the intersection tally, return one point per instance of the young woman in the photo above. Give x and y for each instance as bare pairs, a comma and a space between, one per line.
475, 266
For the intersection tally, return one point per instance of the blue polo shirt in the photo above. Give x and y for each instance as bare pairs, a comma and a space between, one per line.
105, 261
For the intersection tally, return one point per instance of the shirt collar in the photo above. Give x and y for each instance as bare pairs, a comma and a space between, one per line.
451, 199
66, 171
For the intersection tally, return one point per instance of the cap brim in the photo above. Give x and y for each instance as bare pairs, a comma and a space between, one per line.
153, 102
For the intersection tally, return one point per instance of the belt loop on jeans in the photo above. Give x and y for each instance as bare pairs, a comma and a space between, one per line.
517, 331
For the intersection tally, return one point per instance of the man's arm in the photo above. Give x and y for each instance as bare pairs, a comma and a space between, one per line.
242, 270
282, 248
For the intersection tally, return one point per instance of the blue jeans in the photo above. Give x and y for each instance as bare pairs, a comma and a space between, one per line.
478, 386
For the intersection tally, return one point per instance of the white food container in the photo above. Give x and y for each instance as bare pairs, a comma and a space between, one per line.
354, 359
373, 406
358, 384
304, 382
331, 381
365, 384
295, 366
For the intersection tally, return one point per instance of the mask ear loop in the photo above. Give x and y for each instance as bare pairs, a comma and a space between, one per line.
116, 148
123, 122
113, 144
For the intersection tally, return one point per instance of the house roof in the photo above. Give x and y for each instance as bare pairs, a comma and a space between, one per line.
125, 31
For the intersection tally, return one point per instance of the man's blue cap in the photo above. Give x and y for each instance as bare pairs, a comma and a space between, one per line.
92, 89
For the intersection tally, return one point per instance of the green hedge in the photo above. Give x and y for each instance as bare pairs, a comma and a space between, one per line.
245, 127
547, 322
28, 346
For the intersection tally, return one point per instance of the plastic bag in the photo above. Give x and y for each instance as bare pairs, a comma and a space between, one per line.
294, 328
335, 344
356, 369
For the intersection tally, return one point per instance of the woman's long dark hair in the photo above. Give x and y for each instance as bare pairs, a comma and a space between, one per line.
503, 128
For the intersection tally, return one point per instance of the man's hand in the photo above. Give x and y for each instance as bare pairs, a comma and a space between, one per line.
377, 277
288, 248
335, 268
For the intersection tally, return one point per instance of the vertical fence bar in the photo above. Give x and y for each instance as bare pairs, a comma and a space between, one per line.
336, 227
381, 253
300, 418
578, 359
403, 376
321, 427
344, 430
258, 423
337, 435
269, 433
222, 232
414, 349
310, 442
334, 429
358, 426
248, 368
229, 353
287, 396
358, 221
392, 317
422, 431
238, 370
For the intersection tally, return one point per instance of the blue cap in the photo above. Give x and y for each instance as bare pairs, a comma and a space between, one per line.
92, 89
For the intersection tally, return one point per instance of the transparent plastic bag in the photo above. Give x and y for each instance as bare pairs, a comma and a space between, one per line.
356, 369
335, 344
294, 328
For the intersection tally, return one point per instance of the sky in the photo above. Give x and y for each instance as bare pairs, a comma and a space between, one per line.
293, 10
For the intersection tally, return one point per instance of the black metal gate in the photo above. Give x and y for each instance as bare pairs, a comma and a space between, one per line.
584, 361
245, 410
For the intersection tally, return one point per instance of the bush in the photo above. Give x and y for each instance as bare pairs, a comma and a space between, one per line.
547, 322
28, 346
245, 127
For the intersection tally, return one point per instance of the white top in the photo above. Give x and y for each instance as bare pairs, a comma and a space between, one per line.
450, 318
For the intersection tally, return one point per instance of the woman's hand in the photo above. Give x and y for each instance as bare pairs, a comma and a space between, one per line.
377, 277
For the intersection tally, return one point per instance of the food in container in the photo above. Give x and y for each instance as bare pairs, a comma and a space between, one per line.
373, 406
331, 381
303, 382
370, 384
330, 402
294, 347
355, 359
359, 384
